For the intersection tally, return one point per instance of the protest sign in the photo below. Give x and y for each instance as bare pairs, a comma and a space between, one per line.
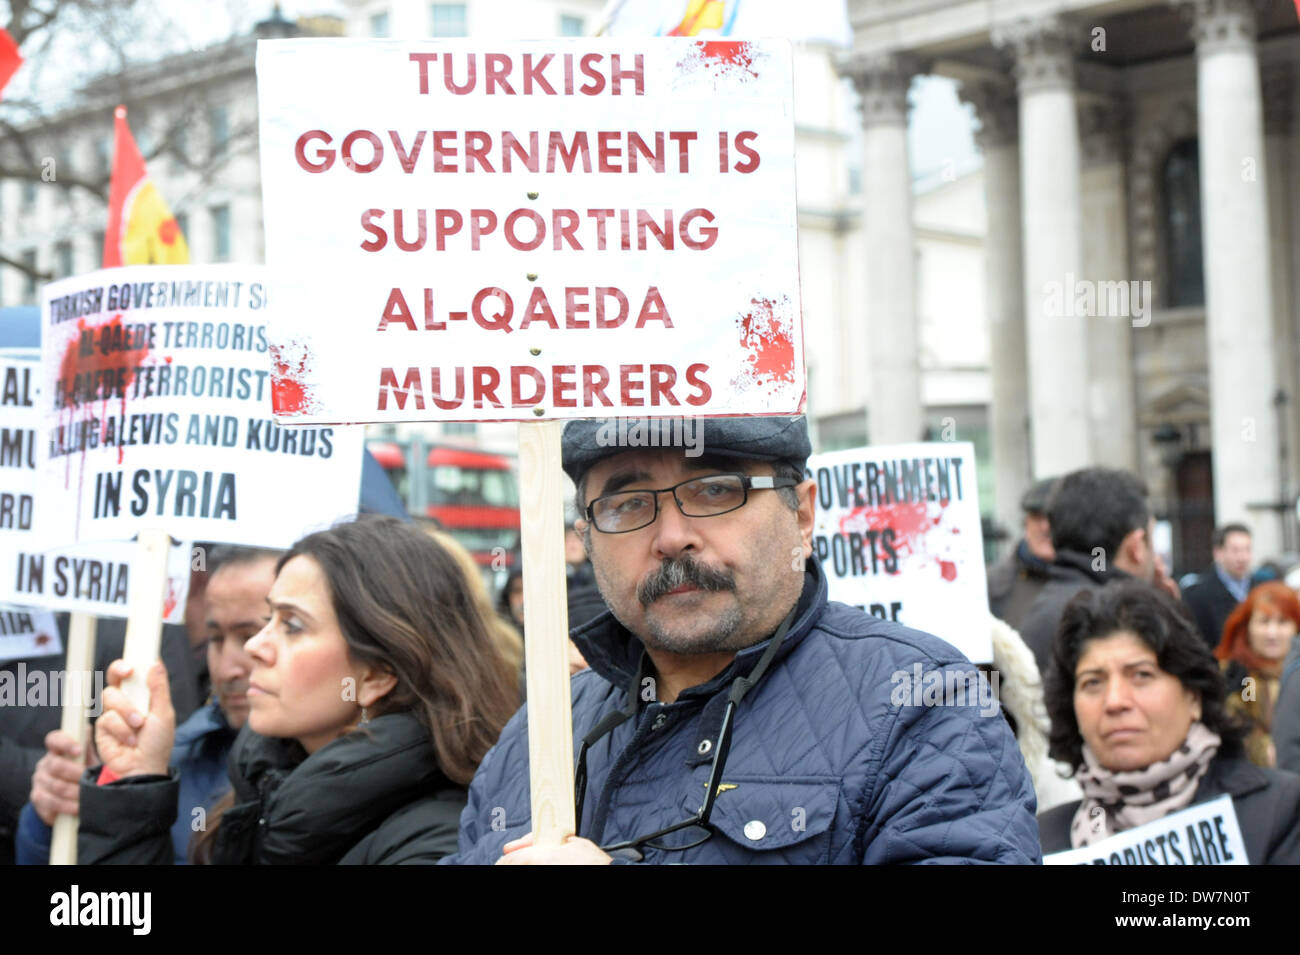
1203, 834
898, 534
90, 578
27, 633
156, 401
558, 229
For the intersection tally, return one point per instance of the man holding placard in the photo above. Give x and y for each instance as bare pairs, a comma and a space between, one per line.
731, 713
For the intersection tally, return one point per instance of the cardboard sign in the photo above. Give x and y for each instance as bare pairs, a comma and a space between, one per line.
156, 400
898, 534
82, 578
28, 633
516, 230
1204, 834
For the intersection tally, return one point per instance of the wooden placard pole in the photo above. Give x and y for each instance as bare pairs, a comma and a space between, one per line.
145, 612
546, 623
77, 684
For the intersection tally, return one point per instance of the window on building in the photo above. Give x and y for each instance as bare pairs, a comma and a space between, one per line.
219, 125
447, 19
572, 26
180, 148
459, 427
63, 259
29, 195
1185, 277
220, 233
379, 24
28, 258
63, 169
98, 239
104, 156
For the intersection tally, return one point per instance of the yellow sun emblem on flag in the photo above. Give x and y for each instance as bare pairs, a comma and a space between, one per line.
151, 236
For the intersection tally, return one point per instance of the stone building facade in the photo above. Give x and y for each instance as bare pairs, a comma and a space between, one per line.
1143, 200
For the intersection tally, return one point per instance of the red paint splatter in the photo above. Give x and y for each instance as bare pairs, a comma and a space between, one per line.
289, 395
766, 333
908, 521
168, 230
720, 59
42, 639
107, 363
912, 523
169, 604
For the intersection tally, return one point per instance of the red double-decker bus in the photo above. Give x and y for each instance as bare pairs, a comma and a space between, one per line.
473, 495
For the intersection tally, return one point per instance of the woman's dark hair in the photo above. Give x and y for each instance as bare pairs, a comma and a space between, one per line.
402, 606
1159, 621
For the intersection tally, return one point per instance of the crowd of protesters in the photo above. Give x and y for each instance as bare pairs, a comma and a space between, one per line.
357, 698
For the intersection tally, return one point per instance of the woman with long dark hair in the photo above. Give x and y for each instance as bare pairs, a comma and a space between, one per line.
1137, 706
376, 690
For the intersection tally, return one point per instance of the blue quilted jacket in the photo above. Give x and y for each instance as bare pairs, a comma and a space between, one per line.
825, 765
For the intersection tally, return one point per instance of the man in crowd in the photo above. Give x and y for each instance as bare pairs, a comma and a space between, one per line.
235, 609
731, 714
1218, 591
1015, 582
1101, 532
23, 729
583, 595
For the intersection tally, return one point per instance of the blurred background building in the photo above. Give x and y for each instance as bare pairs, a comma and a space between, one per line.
975, 182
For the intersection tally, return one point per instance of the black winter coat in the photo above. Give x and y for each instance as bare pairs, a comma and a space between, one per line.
373, 796
1071, 573
1211, 604
1267, 802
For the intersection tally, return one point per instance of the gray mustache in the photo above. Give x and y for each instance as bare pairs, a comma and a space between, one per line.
673, 573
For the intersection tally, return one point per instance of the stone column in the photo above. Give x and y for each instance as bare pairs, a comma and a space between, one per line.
1238, 290
1123, 307
1057, 333
1279, 86
999, 140
893, 370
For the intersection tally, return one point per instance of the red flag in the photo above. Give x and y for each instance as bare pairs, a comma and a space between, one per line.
11, 59
141, 229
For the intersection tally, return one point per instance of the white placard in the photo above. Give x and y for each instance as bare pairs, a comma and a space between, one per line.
1204, 834
26, 633
898, 534
156, 399
81, 578
509, 230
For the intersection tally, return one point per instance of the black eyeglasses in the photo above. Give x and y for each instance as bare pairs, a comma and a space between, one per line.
696, 830
625, 511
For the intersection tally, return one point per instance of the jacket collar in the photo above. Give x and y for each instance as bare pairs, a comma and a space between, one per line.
1232, 777
204, 721
615, 653
1071, 564
317, 806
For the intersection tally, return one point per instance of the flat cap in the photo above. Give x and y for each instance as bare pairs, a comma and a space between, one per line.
757, 438
1034, 501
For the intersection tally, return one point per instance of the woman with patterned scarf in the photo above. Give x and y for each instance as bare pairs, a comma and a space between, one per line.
1256, 639
1137, 706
